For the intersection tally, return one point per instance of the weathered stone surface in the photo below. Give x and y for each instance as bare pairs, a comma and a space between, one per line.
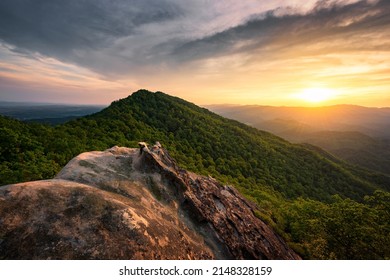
123, 204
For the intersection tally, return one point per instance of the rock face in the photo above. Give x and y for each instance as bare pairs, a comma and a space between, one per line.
126, 204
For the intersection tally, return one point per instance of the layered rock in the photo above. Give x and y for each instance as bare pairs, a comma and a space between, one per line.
124, 204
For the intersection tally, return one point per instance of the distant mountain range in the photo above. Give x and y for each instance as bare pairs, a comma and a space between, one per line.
359, 135
46, 113
323, 207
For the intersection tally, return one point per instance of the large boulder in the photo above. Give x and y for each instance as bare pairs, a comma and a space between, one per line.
123, 204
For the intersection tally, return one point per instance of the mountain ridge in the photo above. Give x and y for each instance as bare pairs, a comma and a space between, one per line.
201, 141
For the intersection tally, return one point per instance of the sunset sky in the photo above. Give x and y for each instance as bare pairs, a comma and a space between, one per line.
282, 52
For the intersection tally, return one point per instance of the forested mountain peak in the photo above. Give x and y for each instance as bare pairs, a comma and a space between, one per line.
205, 142
286, 181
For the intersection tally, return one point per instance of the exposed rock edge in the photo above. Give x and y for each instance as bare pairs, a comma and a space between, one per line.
132, 204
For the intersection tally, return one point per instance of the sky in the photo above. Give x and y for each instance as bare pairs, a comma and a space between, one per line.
282, 52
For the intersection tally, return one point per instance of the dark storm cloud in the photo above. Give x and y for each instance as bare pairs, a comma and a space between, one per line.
61, 28
271, 32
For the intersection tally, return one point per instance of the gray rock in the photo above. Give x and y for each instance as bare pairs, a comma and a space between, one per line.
121, 204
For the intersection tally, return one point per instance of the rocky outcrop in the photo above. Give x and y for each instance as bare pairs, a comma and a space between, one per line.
124, 204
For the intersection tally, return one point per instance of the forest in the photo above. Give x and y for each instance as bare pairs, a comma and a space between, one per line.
323, 207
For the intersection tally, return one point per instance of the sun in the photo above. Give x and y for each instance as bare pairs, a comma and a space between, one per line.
316, 95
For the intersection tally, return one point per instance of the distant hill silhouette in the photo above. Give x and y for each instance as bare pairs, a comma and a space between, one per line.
359, 135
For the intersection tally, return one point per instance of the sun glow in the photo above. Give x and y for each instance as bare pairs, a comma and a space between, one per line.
316, 95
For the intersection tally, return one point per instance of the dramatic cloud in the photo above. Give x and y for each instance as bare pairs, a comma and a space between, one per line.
353, 23
77, 31
247, 51
111, 37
